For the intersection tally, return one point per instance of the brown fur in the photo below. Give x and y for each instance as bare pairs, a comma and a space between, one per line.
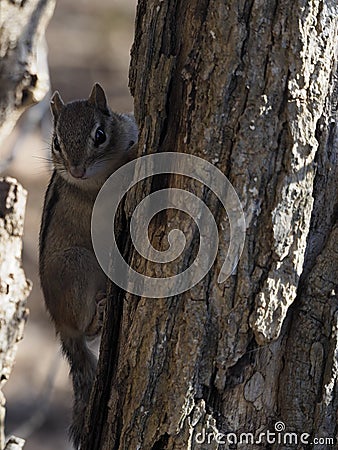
71, 278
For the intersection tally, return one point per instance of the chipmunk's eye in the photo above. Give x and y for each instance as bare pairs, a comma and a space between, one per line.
56, 144
100, 137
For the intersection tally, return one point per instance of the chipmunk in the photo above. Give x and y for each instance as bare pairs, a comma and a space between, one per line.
89, 143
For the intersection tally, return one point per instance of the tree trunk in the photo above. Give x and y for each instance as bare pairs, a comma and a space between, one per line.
251, 87
24, 80
14, 288
24, 77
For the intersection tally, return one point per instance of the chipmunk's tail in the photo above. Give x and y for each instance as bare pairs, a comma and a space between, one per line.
82, 370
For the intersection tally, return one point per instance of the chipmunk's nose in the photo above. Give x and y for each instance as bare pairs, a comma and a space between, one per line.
77, 171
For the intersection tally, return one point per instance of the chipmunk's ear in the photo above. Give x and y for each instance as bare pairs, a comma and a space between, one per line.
56, 105
98, 98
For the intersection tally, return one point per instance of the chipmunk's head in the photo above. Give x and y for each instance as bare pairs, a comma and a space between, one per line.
90, 141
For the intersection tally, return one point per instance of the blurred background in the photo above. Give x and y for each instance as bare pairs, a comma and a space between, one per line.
87, 42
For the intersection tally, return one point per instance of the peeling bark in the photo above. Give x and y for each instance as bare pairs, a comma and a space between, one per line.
250, 86
24, 77
14, 288
24, 80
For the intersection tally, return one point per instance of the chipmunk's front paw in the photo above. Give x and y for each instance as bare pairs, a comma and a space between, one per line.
101, 301
95, 326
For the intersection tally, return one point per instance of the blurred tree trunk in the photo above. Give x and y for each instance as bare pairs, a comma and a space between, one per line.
14, 288
24, 80
24, 77
250, 86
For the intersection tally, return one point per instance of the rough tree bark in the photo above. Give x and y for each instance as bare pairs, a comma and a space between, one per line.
24, 77
14, 288
251, 86
24, 80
